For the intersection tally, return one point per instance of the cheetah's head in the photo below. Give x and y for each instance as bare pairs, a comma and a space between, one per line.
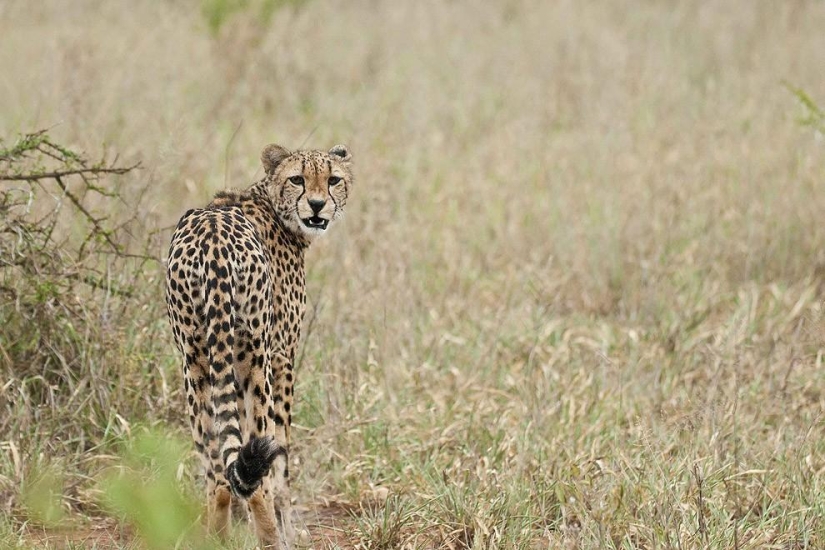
308, 188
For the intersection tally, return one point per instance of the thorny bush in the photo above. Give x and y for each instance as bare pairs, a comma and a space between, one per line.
72, 284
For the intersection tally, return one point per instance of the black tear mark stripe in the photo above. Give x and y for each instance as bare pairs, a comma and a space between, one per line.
303, 191
334, 202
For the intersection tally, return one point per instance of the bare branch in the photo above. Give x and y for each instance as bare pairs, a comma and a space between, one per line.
35, 176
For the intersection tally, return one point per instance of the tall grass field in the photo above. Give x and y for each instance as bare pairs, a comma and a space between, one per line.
577, 300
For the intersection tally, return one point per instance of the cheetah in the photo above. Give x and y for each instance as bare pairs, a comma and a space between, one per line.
235, 294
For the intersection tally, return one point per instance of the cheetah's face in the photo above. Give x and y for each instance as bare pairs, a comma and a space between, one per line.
308, 188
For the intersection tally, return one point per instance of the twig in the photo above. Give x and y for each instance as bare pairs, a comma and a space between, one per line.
36, 176
226, 153
700, 504
94, 221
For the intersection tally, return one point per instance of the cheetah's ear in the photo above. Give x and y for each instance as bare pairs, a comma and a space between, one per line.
342, 152
272, 156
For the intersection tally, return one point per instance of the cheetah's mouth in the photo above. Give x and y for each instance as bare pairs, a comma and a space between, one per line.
316, 222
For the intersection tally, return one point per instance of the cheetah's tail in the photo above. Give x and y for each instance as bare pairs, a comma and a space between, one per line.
254, 460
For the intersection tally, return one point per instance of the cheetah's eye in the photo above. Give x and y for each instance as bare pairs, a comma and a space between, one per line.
297, 180
334, 180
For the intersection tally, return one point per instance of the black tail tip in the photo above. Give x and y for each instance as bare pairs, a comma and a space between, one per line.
253, 463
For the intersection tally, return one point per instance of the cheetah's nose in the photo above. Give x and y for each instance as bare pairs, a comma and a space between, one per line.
316, 205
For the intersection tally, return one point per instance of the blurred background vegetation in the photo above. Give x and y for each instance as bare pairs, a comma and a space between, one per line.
576, 301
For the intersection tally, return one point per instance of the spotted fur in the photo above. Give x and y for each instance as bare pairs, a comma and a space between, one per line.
235, 296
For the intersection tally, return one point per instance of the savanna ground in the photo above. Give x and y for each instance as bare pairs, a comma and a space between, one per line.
576, 301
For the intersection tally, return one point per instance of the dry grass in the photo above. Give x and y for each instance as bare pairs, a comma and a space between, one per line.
577, 298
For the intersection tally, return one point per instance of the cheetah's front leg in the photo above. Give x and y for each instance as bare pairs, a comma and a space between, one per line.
269, 400
280, 414
272, 417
